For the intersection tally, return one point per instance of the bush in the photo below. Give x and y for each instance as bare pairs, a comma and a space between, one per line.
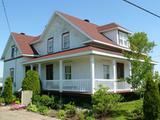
81, 115
137, 114
61, 114
103, 102
7, 92
31, 82
43, 110
70, 109
32, 108
151, 102
1, 100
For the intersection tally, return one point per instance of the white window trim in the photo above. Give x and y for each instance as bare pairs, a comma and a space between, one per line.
63, 35
52, 41
67, 64
105, 73
123, 40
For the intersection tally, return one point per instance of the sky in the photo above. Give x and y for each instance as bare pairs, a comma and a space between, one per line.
31, 16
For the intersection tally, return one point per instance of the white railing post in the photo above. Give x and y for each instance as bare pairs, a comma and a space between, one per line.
60, 75
130, 68
31, 67
114, 75
39, 71
92, 72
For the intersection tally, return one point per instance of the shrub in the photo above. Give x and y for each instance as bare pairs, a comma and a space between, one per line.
32, 108
137, 114
31, 82
61, 114
81, 115
70, 109
103, 102
151, 102
7, 92
1, 100
43, 110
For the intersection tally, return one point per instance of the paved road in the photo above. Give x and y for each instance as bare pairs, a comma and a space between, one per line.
6, 114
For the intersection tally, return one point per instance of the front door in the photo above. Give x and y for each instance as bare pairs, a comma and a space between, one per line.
120, 70
49, 72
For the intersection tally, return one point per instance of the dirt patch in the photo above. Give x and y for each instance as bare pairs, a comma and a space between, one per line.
6, 114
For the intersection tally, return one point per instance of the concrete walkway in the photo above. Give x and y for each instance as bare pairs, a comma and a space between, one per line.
6, 114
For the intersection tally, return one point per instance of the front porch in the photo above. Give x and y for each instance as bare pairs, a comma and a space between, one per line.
84, 74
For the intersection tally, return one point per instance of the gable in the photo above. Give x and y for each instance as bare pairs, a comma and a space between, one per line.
7, 52
55, 29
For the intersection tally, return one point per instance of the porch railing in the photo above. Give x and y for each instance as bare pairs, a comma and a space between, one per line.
77, 85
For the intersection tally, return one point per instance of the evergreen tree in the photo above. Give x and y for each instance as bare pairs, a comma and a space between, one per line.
31, 82
7, 92
151, 102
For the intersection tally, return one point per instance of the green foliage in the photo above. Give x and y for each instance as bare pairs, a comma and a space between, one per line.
44, 100
81, 115
137, 114
151, 102
70, 109
43, 110
7, 92
32, 108
1, 100
61, 114
141, 47
104, 102
31, 82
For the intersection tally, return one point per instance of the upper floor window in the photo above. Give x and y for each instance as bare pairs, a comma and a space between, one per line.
50, 45
65, 41
123, 39
13, 51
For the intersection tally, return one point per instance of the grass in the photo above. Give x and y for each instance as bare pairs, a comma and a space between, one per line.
124, 110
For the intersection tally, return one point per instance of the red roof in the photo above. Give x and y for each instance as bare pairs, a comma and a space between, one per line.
74, 51
24, 41
89, 28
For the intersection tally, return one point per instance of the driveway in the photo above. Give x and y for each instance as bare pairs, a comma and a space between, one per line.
6, 114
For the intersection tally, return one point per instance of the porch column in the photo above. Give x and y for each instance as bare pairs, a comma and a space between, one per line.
130, 68
60, 75
31, 67
92, 72
39, 71
114, 75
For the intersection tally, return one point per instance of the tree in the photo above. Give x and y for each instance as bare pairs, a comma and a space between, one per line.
139, 59
7, 92
151, 102
31, 82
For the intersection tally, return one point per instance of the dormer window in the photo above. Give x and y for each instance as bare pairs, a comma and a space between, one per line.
65, 41
50, 45
13, 51
123, 39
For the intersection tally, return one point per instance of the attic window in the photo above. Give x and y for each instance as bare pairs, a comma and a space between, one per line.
50, 45
13, 51
123, 39
65, 41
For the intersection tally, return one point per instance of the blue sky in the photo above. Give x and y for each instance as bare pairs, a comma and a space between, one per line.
31, 16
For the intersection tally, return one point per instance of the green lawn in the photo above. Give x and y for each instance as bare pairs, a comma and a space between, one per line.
124, 110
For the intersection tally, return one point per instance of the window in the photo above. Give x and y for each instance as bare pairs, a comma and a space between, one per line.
49, 72
65, 41
12, 76
50, 45
13, 51
106, 71
68, 72
123, 39
120, 70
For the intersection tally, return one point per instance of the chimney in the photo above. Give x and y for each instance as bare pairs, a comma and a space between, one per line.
22, 33
86, 20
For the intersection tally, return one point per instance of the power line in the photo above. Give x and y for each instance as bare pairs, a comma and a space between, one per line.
7, 20
139, 7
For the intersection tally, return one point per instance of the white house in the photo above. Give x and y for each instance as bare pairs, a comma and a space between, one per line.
71, 55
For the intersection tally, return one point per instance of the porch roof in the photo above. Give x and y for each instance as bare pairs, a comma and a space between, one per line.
86, 50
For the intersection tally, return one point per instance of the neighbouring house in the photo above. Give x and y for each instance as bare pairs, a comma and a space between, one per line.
71, 55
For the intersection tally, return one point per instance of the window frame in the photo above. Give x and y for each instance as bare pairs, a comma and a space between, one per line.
13, 51
120, 70
106, 73
68, 75
124, 41
12, 75
52, 45
63, 35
